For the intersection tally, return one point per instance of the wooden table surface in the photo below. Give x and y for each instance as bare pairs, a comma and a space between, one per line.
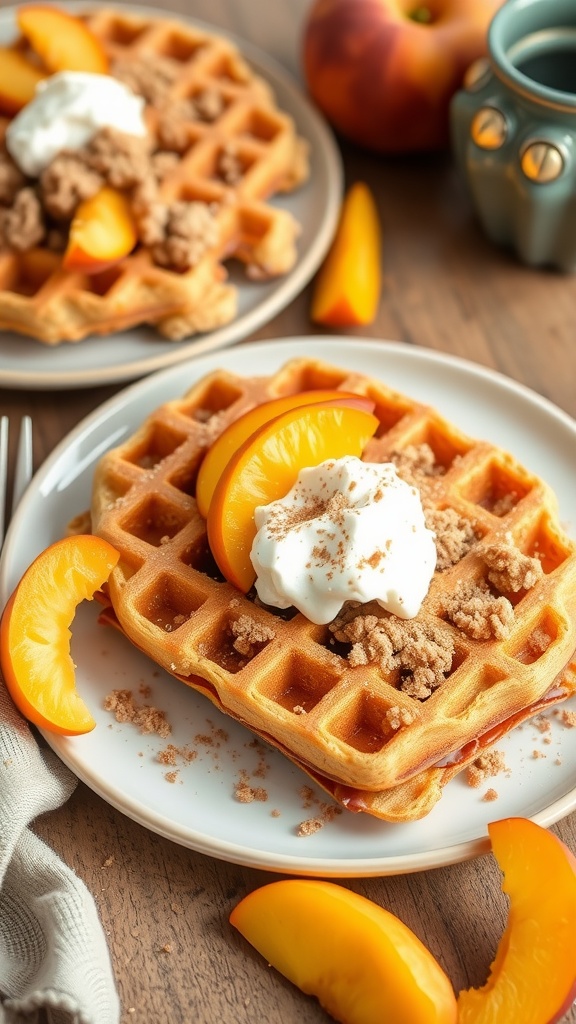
445, 288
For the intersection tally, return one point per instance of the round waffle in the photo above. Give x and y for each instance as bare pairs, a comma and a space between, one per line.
366, 728
241, 124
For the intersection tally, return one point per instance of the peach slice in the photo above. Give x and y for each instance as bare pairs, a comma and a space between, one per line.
101, 234
229, 441
347, 289
35, 637
533, 977
18, 81
364, 965
62, 41
267, 466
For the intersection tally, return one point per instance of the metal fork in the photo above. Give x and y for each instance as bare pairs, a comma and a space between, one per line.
22, 471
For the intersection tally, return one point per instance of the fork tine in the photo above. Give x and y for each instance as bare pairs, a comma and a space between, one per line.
3, 473
24, 459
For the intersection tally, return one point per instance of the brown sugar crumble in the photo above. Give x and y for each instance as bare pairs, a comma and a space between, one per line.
172, 755
145, 717
474, 609
245, 793
420, 652
455, 536
250, 634
490, 795
398, 717
325, 813
491, 763
509, 569
568, 718
177, 233
416, 461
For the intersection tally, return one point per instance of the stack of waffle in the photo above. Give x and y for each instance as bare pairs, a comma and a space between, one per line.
374, 741
40, 298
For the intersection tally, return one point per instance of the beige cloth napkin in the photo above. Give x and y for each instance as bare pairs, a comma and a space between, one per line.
53, 953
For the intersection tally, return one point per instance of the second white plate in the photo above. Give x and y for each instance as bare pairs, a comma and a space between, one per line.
25, 363
196, 805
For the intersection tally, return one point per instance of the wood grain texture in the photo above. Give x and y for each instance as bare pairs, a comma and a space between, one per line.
164, 908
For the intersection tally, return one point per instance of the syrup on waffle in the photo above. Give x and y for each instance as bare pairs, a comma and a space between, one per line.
380, 734
235, 151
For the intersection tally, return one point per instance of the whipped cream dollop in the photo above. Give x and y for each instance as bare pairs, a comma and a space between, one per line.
347, 531
67, 110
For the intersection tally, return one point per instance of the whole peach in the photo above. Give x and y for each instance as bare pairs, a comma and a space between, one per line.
384, 71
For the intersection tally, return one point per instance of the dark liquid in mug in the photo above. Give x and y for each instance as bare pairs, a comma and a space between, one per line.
548, 58
555, 70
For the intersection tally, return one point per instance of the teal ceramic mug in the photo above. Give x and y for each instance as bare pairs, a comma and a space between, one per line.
514, 131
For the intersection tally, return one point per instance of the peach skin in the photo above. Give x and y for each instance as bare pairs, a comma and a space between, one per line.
533, 976
347, 289
35, 636
384, 71
228, 442
267, 466
101, 234
364, 965
62, 41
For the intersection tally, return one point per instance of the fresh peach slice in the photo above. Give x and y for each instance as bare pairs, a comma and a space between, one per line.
533, 977
364, 965
347, 289
35, 636
101, 234
229, 441
62, 41
267, 466
18, 81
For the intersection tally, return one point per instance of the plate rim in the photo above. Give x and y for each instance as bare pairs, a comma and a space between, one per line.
224, 849
289, 286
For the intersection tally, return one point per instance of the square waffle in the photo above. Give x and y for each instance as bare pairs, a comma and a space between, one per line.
241, 128
374, 740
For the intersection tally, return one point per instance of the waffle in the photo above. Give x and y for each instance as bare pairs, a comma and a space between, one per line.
356, 728
41, 299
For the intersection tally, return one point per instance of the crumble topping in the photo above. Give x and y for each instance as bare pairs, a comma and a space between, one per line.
539, 641
491, 763
420, 652
490, 795
178, 232
246, 793
66, 182
147, 718
230, 168
505, 504
151, 79
207, 105
11, 178
416, 461
22, 224
188, 231
326, 813
455, 535
509, 569
475, 610
249, 634
398, 717
122, 159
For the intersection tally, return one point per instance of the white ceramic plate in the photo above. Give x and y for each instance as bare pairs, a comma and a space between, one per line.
199, 810
25, 363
